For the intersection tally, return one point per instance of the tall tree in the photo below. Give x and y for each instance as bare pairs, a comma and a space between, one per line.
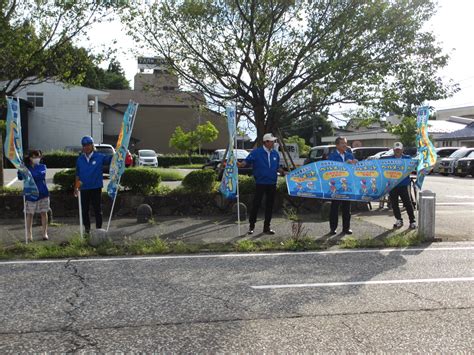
36, 40
283, 58
112, 78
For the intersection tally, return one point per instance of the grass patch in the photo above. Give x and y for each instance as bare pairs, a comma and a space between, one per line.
395, 241
169, 174
187, 166
5, 190
150, 246
245, 246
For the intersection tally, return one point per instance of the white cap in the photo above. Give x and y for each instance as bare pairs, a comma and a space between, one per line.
269, 137
398, 145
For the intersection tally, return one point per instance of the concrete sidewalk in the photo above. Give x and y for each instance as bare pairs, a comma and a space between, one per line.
208, 229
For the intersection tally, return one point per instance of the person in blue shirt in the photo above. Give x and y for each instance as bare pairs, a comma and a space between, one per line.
402, 191
265, 162
342, 154
35, 204
89, 181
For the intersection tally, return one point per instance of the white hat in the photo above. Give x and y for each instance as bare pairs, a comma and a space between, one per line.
269, 137
398, 145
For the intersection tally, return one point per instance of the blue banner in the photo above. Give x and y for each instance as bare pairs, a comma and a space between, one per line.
13, 147
426, 151
367, 180
229, 181
117, 166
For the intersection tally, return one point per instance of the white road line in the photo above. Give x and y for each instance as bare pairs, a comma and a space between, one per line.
454, 203
237, 255
12, 182
354, 283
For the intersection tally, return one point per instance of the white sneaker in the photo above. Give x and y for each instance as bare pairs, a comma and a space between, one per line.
398, 224
413, 225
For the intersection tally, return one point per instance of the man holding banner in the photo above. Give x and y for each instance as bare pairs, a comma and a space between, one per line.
266, 164
341, 154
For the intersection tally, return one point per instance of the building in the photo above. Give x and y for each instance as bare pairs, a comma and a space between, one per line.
162, 108
460, 138
59, 115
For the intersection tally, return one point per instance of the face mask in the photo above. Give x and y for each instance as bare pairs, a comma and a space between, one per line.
36, 161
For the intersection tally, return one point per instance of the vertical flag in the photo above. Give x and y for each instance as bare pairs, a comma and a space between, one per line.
230, 178
117, 166
426, 151
13, 147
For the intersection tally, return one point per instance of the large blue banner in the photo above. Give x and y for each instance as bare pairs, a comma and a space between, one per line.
229, 181
117, 166
13, 147
426, 151
367, 180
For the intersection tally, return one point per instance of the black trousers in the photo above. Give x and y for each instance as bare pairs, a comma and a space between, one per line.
269, 192
91, 197
334, 214
404, 194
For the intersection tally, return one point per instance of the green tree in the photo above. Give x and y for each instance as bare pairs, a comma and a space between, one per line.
113, 78
289, 59
189, 142
405, 131
36, 41
302, 147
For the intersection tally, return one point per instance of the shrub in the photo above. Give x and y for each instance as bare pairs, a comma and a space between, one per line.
166, 161
246, 185
199, 180
140, 180
65, 179
60, 159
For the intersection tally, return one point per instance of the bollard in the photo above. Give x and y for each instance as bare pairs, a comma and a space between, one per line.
426, 214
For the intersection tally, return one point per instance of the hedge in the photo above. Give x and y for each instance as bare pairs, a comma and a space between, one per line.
199, 180
60, 159
140, 180
65, 179
166, 161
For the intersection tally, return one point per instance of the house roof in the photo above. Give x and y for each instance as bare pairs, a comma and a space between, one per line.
467, 132
442, 126
155, 98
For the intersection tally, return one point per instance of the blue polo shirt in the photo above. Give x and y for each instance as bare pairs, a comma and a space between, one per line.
265, 166
335, 156
90, 172
39, 175
406, 181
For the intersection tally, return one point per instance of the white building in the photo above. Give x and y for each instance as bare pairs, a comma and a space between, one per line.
61, 115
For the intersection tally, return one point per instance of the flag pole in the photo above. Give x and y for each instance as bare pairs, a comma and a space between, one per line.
24, 215
235, 157
81, 227
118, 182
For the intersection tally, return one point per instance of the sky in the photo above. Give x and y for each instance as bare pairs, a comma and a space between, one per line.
452, 25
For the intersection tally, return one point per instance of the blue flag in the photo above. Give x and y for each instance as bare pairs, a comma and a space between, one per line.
13, 147
229, 181
426, 151
117, 166
368, 180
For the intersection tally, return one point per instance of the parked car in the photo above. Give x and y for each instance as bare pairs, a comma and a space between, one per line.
320, 152
147, 157
411, 151
443, 152
465, 166
362, 153
215, 160
106, 149
449, 165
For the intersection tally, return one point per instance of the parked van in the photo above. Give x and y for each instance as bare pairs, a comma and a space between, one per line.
147, 157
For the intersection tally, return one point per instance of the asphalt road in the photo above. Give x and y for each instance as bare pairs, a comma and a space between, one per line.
393, 300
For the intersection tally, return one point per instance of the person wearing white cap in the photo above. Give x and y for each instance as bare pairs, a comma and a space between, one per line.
265, 162
402, 191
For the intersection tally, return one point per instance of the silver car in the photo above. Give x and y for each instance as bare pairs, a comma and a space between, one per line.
448, 165
443, 152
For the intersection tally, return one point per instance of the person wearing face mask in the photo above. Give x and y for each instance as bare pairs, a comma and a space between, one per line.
38, 204
89, 180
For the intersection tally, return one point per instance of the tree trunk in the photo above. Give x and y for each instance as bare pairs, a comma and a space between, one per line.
259, 112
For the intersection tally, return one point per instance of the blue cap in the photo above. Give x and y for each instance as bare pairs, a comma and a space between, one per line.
87, 140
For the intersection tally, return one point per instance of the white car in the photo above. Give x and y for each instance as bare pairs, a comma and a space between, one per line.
147, 157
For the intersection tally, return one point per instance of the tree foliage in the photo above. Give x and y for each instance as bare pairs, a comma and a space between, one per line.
112, 78
36, 41
405, 131
188, 142
291, 59
302, 147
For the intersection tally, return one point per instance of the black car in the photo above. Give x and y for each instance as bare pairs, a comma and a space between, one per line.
362, 153
465, 166
215, 160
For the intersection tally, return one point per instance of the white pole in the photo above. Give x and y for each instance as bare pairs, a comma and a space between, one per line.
235, 155
80, 213
113, 205
24, 214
